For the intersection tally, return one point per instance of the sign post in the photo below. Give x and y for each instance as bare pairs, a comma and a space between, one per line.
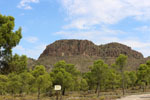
57, 88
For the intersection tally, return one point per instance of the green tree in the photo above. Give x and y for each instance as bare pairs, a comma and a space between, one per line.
121, 63
143, 75
63, 78
133, 79
127, 79
99, 72
83, 85
18, 64
14, 84
42, 79
26, 81
8, 39
90, 80
71, 69
113, 79
3, 84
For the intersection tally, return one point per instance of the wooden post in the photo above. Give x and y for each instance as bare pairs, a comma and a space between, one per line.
57, 96
57, 89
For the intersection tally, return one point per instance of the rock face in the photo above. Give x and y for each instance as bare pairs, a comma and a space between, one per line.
87, 48
82, 53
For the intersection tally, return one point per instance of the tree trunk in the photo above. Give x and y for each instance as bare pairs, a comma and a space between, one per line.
123, 89
63, 91
132, 87
21, 93
99, 88
57, 95
112, 87
50, 93
96, 88
38, 94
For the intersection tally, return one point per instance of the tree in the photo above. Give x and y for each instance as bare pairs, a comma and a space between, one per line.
127, 79
133, 78
121, 62
8, 39
18, 64
43, 82
71, 70
26, 81
143, 75
3, 84
90, 80
99, 72
63, 78
14, 84
42, 79
113, 79
83, 85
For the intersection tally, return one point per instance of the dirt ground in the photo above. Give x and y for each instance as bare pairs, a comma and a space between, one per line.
136, 97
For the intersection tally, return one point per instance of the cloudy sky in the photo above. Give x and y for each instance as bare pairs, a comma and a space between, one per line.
101, 21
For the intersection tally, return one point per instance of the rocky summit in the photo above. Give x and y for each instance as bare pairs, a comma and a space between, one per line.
83, 53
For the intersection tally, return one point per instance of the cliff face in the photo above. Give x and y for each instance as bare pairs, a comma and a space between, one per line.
115, 49
82, 53
70, 48
87, 48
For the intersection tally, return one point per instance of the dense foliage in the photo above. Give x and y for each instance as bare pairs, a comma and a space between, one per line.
100, 77
8, 39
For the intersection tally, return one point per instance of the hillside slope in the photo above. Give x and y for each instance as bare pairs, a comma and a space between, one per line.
83, 53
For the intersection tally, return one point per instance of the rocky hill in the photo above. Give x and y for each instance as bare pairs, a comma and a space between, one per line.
82, 53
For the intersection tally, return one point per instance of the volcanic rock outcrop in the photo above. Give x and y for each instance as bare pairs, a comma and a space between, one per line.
83, 53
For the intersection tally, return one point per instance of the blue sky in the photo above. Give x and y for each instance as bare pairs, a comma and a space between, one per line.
101, 21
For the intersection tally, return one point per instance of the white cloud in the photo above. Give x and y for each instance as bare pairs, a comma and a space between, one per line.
31, 39
103, 31
138, 45
20, 48
24, 4
87, 19
85, 13
33, 52
144, 28
105, 35
102, 35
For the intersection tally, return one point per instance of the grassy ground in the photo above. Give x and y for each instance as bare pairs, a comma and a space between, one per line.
76, 96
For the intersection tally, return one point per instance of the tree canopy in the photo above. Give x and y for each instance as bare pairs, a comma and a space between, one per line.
8, 39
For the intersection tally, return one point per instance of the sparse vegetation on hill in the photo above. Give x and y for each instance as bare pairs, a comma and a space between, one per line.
82, 53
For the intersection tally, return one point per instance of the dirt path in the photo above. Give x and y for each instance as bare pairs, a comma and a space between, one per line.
136, 97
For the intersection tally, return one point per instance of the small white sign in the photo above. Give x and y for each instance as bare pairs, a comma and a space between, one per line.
57, 87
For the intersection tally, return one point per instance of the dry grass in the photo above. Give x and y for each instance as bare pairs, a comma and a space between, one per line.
76, 96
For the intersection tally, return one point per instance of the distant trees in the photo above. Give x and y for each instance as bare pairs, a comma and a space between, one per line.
100, 77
